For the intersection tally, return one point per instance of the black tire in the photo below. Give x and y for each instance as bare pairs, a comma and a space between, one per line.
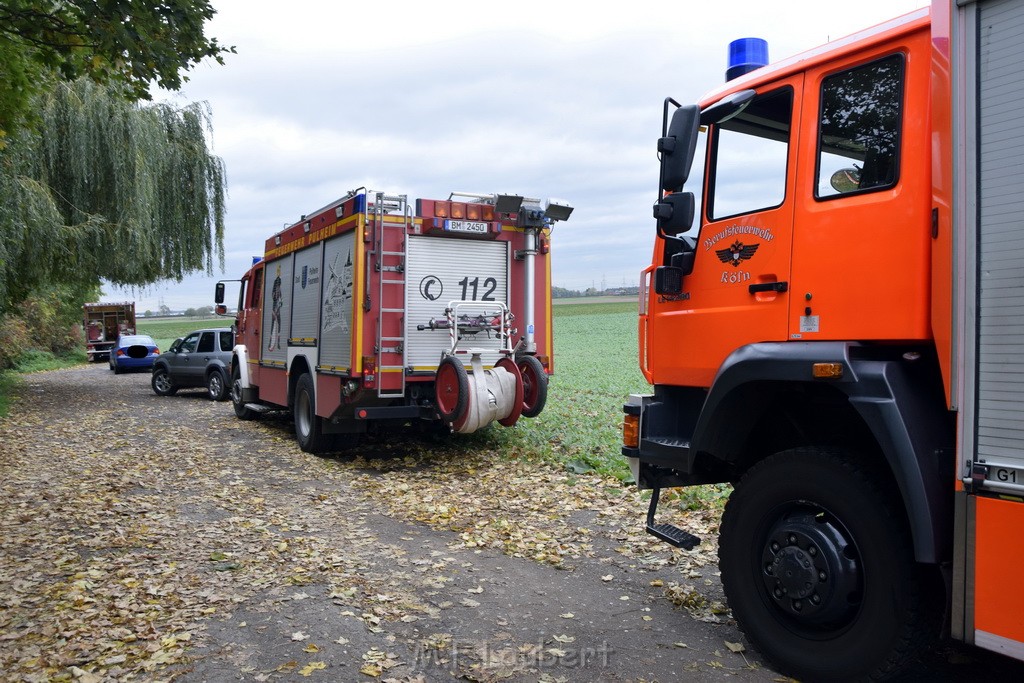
161, 382
535, 385
451, 389
818, 568
308, 426
241, 412
217, 385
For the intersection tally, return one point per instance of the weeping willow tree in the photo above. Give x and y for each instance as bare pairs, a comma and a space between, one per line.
106, 188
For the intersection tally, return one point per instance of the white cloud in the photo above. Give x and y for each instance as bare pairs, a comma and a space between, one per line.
544, 98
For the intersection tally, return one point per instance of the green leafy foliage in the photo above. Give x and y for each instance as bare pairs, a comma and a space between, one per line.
44, 331
118, 42
108, 189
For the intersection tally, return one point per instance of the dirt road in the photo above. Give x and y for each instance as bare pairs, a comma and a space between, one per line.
157, 538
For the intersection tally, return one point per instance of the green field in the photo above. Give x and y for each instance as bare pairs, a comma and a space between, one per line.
165, 330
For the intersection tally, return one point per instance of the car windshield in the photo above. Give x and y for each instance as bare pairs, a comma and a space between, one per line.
139, 339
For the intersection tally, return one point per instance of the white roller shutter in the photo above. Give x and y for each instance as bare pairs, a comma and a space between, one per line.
1000, 350
440, 270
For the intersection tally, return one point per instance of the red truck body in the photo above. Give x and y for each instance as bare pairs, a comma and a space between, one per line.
366, 314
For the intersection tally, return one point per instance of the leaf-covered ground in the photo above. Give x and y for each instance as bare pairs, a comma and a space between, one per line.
133, 525
151, 538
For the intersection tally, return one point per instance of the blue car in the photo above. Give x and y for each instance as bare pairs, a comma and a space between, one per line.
133, 351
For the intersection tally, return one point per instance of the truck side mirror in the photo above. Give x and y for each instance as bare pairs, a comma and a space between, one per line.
677, 146
674, 213
218, 293
684, 260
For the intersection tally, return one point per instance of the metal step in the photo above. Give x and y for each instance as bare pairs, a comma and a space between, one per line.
674, 535
668, 532
262, 408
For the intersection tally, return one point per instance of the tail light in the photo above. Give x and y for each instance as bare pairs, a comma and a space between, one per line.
369, 369
442, 209
458, 210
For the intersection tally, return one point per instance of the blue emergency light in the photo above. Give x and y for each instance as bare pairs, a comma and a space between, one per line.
745, 55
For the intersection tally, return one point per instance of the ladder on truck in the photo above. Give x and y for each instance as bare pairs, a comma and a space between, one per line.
391, 219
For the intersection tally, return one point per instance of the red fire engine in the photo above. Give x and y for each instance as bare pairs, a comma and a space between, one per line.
364, 314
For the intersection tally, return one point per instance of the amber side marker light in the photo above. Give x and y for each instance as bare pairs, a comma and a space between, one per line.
631, 431
827, 370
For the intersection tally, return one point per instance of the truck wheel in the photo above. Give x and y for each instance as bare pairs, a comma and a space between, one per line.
451, 389
161, 382
308, 427
535, 385
241, 412
217, 386
818, 568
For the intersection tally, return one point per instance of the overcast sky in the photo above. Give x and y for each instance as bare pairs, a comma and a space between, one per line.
537, 98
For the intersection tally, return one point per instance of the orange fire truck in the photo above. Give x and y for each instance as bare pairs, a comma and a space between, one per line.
833, 321
364, 315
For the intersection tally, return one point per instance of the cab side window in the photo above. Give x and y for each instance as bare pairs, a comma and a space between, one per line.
859, 129
750, 152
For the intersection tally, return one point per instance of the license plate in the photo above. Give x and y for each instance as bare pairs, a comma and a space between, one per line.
475, 227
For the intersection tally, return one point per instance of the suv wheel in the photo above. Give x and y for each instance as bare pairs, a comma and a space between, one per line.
161, 382
217, 385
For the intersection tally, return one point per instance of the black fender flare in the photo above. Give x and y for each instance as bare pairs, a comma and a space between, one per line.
899, 405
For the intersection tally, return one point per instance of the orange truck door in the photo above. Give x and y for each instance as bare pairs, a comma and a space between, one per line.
861, 250
738, 292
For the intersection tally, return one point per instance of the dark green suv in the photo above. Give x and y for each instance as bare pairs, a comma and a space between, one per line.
201, 359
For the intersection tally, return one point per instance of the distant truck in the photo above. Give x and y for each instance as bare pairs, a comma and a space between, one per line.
102, 323
368, 314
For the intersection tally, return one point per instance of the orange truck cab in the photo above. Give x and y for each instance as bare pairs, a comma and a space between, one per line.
831, 322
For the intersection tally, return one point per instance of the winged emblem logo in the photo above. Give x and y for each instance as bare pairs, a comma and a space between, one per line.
736, 252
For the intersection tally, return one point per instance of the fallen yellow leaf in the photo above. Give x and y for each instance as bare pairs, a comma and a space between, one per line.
311, 667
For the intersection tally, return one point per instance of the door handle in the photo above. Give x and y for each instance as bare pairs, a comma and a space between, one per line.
768, 287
